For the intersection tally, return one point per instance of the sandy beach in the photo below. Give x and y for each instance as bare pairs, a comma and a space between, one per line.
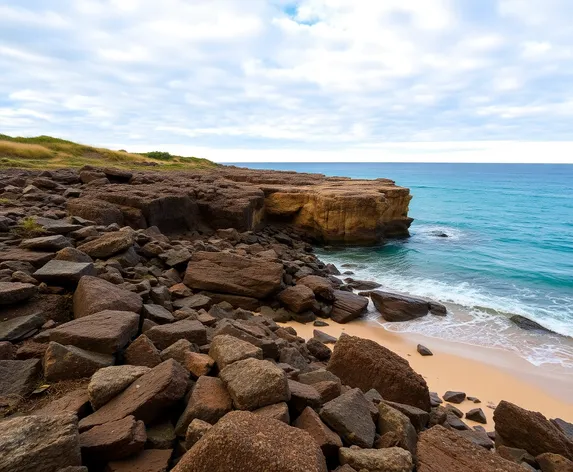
489, 374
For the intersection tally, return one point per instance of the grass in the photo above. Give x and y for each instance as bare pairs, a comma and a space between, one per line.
46, 152
28, 228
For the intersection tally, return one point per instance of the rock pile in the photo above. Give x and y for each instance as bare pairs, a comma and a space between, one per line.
166, 350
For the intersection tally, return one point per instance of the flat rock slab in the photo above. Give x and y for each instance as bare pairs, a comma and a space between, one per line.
392, 459
365, 364
164, 336
229, 445
108, 244
14, 292
70, 362
347, 306
35, 258
19, 378
395, 307
64, 273
58, 226
146, 398
94, 295
441, 450
40, 443
75, 402
150, 460
230, 273
109, 382
105, 332
46, 243
21, 327
227, 349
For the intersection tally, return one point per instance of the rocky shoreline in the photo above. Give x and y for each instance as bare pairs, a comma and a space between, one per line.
141, 329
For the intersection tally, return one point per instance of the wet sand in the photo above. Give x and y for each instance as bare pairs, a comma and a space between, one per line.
489, 374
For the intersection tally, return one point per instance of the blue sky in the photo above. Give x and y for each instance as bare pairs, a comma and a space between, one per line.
240, 80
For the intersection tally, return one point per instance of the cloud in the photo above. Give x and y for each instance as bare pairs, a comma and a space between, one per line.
215, 77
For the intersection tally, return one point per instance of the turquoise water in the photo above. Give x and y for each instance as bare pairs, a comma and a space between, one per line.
509, 250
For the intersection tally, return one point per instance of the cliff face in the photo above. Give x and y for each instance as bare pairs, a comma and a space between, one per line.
330, 210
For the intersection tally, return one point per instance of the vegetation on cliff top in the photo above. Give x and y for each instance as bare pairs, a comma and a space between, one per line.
45, 152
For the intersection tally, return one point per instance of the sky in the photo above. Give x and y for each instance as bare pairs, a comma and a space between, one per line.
288, 80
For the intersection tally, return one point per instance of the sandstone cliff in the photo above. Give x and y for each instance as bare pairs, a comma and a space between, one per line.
327, 209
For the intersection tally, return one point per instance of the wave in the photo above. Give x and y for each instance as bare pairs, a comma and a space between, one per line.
435, 231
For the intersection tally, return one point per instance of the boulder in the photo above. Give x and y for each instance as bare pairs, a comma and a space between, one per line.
164, 336
395, 307
328, 441
520, 428
209, 402
64, 273
564, 426
198, 364
196, 430
528, 325
349, 416
98, 211
19, 378
229, 445
396, 429
14, 292
424, 351
419, 418
318, 349
323, 337
365, 364
277, 411
40, 443
109, 382
114, 440
21, 327
347, 306
442, 450
71, 254
477, 415
106, 332
479, 438
392, 459
142, 352
253, 383
7, 351
161, 436
297, 298
150, 460
157, 314
454, 397
76, 402
230, 273
303, 396
549, 462
321, 287
107, 245
35, 258
146, 398
46, 243
227, 349
94, 295
70, 362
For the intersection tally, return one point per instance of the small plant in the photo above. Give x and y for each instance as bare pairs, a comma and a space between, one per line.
159, 155
28, 228
5, 201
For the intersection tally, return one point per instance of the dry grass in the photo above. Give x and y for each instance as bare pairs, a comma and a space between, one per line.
25, 151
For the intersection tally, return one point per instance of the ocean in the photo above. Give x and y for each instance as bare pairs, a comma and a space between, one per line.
509, 251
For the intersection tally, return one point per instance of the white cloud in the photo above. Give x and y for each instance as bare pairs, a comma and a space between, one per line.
217, 76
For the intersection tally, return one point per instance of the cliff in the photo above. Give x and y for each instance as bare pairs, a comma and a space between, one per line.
326, 209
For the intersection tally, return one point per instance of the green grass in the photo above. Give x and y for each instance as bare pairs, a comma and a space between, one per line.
28, 228
45, 152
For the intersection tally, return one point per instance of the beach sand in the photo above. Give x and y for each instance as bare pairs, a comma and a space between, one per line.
489, 374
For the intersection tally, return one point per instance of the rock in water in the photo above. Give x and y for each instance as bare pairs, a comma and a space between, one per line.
395, 307
230, 445
528, 325
441, 450
365, 364
520, 428
39, 443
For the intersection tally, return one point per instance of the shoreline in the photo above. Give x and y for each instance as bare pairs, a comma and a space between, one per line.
489, 374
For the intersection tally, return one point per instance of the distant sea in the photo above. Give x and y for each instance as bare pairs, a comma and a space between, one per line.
509, 250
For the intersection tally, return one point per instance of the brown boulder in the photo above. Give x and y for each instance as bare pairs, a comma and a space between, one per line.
114, 440
39, 443
230, 273
102, 213
297, 298
64, 273
392, 459
347, 306
106, 332
441, 450
70, 362
146, 398
328, 441
164, 336
395, 307
107, 245
19, 378
76, 402
321, 286
365, 364
142, 352
524, 429
209, 402
396, 429
109, 382
94, 295
14, 292
229, 445
227, 349
549, 462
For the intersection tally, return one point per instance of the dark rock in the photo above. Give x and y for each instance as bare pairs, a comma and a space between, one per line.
36, 258
303, 396
528, 325
109, 382
395, 307
564, 426
393, 459
158, 314
40, 443
107, 245
349, 416
64, 273
318, 349
519, 456
437, 309
94, 295
298, 298
320, 323
454, 397
46, 243
479, 438
323, 337
477, 415
362, 284
253, 383
395, 429
365, 364
7, 351
227, 349
75, 402
20, 328
14, 292
70, 362
435, 399
142, 352
161, 436
328, 441
347, 306
549, 462
18, 378
424, 351
321, 287
196, 430
105, 332
440, 450
164, 336
419, 418
150, 460
520, 428
229, 446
